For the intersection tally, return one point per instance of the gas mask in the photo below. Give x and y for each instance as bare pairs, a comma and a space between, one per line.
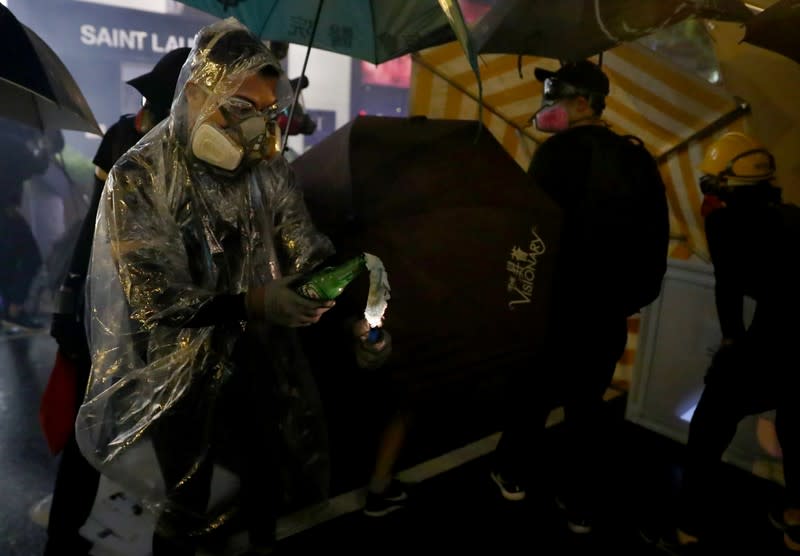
712, 185
553, 117
251, 137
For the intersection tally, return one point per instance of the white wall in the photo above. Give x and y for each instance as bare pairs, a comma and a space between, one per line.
329, 84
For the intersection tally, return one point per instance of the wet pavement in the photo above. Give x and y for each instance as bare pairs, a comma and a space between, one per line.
458, 511
27, 469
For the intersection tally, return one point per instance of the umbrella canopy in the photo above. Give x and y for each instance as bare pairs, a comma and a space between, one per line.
776, 29
578, 29
35, 86
468, 243
371, 30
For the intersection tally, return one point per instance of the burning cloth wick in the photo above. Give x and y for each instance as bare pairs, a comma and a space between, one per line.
378, 297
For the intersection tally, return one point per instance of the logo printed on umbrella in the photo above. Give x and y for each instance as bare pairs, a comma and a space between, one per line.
341, 36
522, 268
300, 27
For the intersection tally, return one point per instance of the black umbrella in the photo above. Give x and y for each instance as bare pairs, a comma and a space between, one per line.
469, 244
35, 86
579, 29
776, 29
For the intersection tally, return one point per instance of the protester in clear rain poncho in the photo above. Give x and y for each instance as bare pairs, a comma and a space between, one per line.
201, 230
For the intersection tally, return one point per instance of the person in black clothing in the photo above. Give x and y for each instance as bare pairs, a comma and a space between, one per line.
20, 259
754, 240
76, 481
589, 171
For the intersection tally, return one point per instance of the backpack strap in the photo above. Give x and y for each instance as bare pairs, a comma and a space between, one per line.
634, 139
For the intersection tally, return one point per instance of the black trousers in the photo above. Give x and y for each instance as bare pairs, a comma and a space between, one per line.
574, 369
75, 488
248, 438
20, 259
756, 374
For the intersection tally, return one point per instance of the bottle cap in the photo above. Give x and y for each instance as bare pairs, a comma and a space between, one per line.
375, 335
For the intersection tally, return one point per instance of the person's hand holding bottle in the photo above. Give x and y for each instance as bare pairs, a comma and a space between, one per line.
278, 302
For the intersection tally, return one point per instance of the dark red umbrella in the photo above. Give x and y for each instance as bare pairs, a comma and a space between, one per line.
467, 241
776, 29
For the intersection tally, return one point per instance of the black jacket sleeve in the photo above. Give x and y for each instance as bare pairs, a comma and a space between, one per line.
728, 290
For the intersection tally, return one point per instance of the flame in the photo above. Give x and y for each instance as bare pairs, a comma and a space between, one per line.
379, 289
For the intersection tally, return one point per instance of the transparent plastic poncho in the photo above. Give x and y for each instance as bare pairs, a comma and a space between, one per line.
172, 234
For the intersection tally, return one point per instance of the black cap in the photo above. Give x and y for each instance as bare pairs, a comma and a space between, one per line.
158, 86
584, 75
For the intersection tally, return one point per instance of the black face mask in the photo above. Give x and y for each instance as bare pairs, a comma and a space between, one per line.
710, 185
757, 193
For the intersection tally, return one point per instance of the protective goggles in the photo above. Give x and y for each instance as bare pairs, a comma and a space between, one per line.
239, 109
556, 89
768, 169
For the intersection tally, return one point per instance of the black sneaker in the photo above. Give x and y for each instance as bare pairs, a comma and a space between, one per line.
510, 490
775, 516
793, 533
578, 522
392, 499
667, 542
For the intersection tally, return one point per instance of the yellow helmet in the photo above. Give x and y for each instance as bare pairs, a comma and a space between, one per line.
738, 156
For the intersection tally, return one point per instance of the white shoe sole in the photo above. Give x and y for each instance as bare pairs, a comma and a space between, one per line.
396, 505
576, 528
40, 512
383, 512
579, 529
510, 496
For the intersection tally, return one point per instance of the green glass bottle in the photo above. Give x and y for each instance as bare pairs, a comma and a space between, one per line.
328, 283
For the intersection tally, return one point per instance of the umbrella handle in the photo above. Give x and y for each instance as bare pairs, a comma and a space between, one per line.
302, 74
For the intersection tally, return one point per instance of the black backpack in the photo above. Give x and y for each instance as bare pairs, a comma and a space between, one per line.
627, 206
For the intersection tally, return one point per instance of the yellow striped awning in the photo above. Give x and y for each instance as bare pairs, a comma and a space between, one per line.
673, 111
